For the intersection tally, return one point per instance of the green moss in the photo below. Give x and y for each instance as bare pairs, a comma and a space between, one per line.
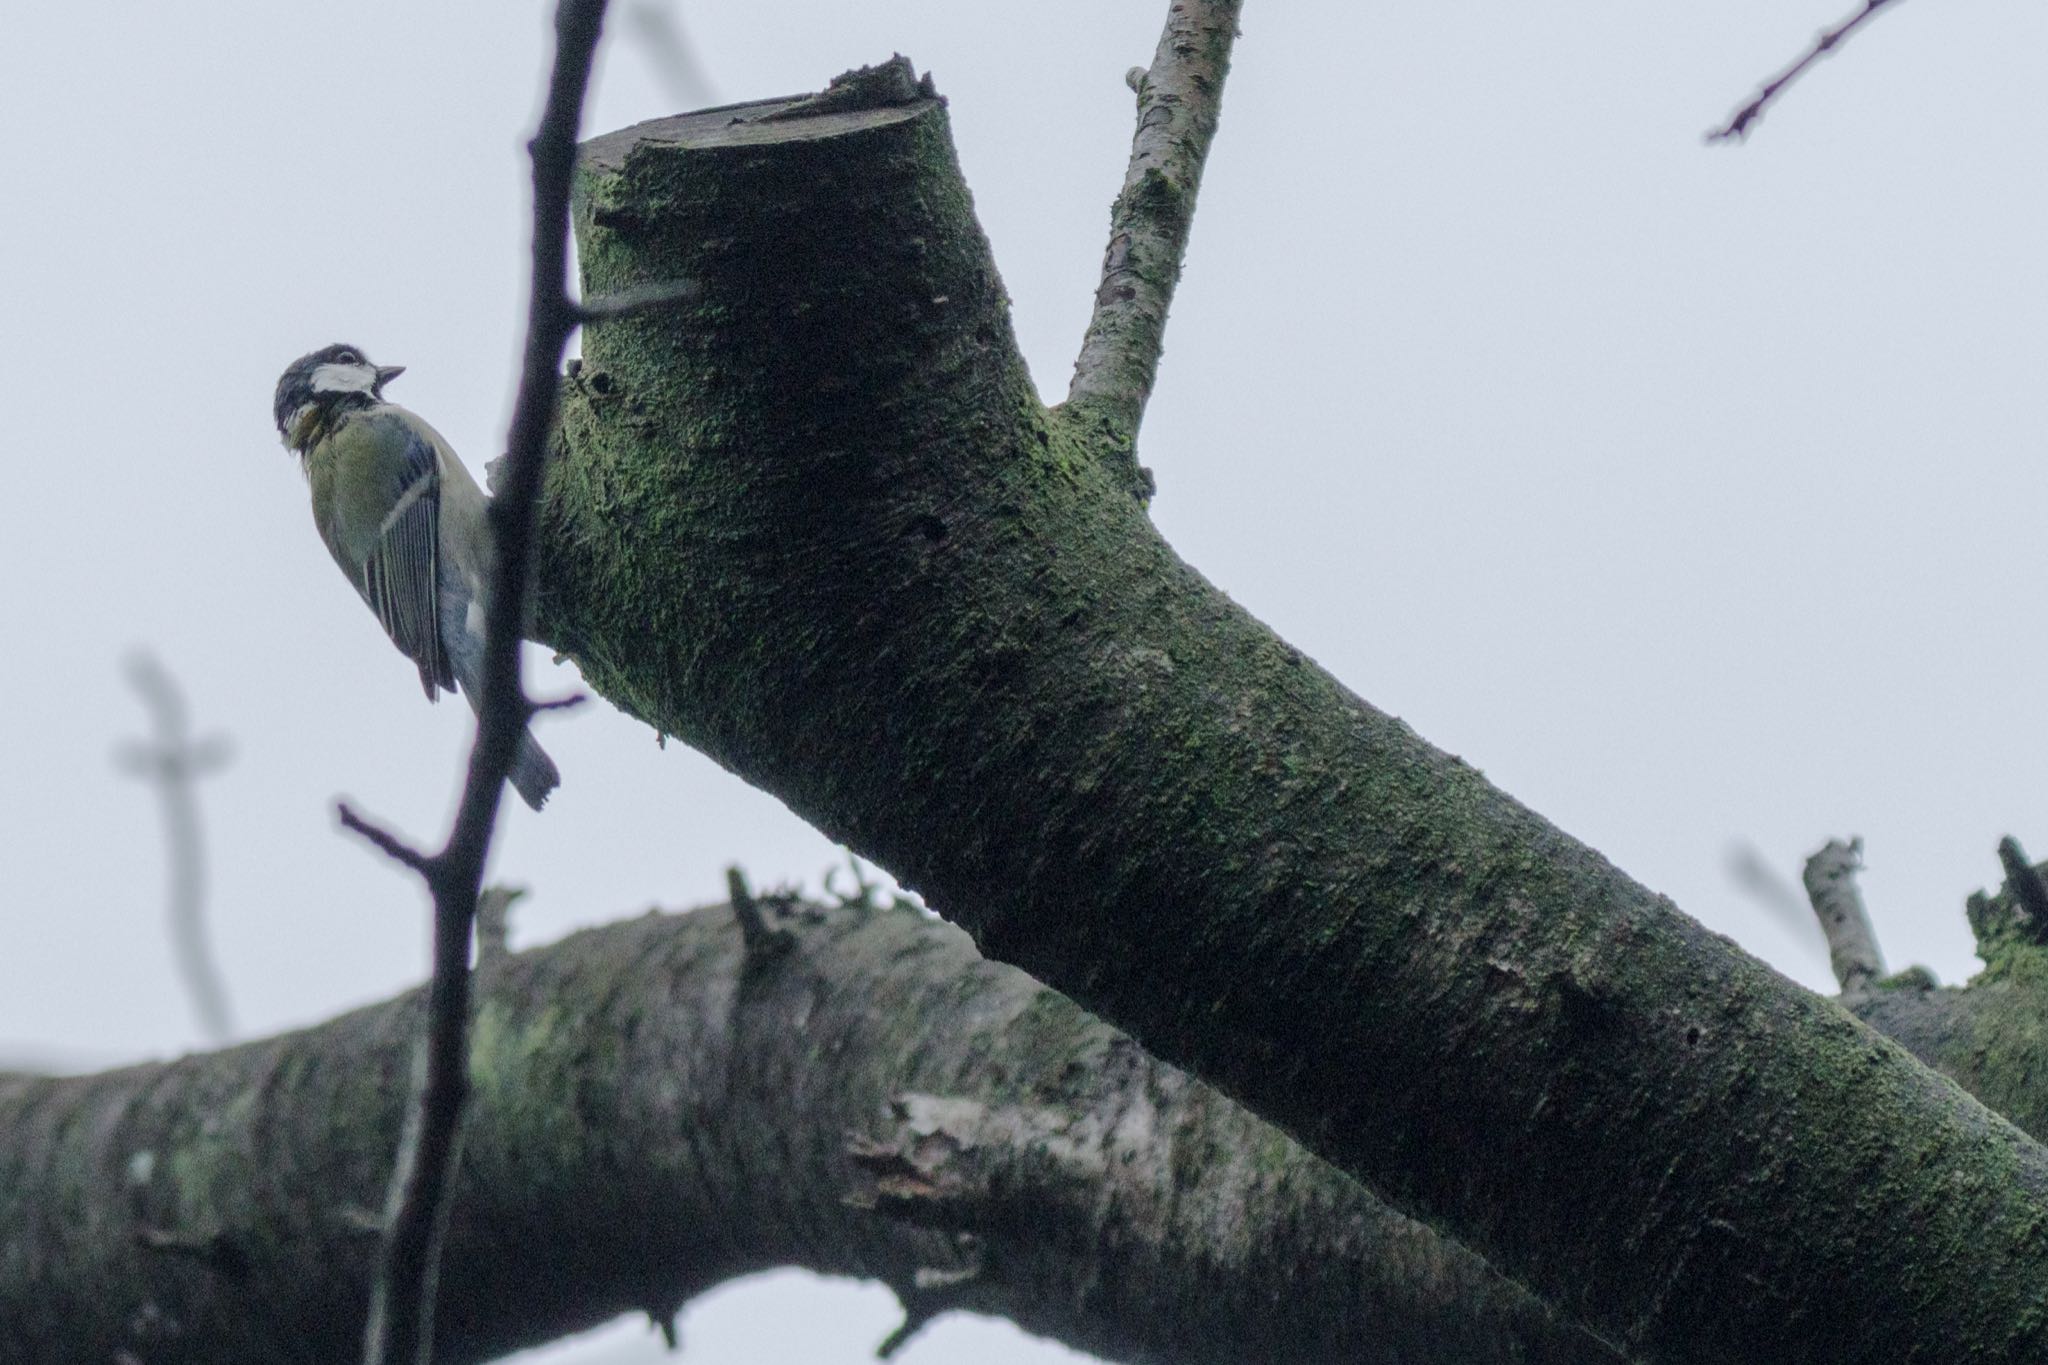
532, 1069
207, 1164
817, 511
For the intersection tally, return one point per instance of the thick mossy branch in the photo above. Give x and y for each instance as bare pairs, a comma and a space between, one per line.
815, 522
654, 1116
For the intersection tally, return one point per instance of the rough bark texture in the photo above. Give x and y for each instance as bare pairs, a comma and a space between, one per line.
1179, 101
817, 523
1830, 878
655, 1113
1992, 1035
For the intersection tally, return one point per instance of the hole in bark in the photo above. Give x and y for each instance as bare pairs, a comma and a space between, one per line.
600, 381
1692, 1036
930, 527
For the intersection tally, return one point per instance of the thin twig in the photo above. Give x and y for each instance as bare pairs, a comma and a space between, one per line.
761, 941
1753, 874
173, 762
1838, 905
1737, 128
2027, 888
674, 58
385, 842
400, 1329
1179, 100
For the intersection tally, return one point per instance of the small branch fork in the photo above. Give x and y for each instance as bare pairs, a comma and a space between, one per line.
1179, 100
1852, 944
400, 1327
173, 761
1737, 128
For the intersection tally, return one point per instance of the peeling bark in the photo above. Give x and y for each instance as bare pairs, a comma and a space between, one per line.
655, 1113
816, 522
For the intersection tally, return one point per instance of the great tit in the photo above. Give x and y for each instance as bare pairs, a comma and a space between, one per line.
404, 520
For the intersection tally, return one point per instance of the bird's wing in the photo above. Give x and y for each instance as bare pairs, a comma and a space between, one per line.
402, 572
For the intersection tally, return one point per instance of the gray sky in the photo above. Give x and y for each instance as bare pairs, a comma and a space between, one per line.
1688, 492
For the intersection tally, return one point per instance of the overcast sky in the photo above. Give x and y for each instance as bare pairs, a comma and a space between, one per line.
1689, 492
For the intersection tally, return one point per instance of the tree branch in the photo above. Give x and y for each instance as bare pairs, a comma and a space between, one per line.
1084, 1184
1179, 100
2029, 895
815, 522
400, 1328
1738, 126
173, 762
1830, 879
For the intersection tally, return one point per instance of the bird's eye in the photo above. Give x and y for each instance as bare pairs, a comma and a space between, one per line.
348, 358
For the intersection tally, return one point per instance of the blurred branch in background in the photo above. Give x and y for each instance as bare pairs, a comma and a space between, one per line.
1753, 874
658, 30
173, 762
1737, 127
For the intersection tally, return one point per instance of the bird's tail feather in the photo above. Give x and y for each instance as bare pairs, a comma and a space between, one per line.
534, 774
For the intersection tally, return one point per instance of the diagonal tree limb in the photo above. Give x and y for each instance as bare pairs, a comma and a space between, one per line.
400, 1329
1179, 100
815, 522
656, 1113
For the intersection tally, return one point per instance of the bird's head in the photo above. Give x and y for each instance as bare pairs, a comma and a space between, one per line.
316, 388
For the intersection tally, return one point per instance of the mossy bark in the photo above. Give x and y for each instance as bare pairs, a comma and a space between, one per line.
655, 1114
1992, 1035
817, 523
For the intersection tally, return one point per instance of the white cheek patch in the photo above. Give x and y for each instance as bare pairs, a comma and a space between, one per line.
334, 378
473, 620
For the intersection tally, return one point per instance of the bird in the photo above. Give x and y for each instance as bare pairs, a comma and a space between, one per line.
405, 521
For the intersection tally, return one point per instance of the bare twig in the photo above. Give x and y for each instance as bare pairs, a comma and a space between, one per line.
1179, 99
1838, 905
390, 845
668, 47
400, 1329
920, 1309
764, 941
173, 762
1755, 876
2025, 881
1737, 128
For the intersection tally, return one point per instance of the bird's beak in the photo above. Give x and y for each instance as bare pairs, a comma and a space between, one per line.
387, 373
